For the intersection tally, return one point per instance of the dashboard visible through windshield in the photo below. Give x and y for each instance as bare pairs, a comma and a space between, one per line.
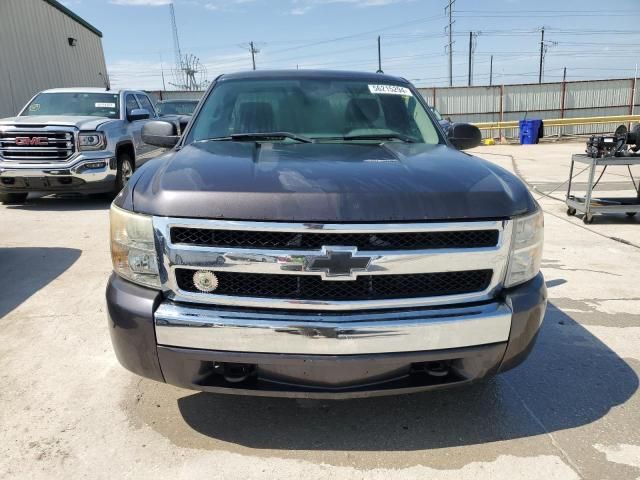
315, 109
75, 104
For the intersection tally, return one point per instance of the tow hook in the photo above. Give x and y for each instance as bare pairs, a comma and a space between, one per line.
434, 369
234, 372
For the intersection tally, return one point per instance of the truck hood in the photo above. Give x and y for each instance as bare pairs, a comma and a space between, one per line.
82, 123
324, 182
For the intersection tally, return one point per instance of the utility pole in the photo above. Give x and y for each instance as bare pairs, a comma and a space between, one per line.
449, 7
564, 75
470, 54
379, 57
491, 71
541, 56
472, 48
633, 96
253, 54
164, 87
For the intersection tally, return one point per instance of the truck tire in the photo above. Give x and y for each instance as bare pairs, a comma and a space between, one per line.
13, 198
124, 172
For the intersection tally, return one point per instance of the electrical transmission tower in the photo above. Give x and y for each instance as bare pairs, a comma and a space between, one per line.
176, 41
189, 73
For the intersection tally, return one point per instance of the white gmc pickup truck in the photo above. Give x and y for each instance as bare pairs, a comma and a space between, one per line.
84, 140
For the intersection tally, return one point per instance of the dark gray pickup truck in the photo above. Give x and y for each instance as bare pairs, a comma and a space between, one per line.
315, 234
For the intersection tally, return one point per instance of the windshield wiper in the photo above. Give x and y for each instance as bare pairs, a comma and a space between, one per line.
381, 136
249, 137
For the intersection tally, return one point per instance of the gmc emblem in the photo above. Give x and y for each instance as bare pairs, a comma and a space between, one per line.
31, 141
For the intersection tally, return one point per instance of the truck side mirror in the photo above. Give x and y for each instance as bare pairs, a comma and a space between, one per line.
160, 134
138, 114
464, 135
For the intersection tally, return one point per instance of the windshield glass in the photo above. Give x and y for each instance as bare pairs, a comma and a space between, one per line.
75, 104
436, 113
176, 108
319, 109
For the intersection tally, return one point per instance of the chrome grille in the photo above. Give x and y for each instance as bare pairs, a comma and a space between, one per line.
37, 145
275, 265
365, 287
363, 241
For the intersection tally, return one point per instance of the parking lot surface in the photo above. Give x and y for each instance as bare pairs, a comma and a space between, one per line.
68, 410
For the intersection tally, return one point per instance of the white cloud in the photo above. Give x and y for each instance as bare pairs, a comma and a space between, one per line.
137, 3
300, 7
299, 10
226, 5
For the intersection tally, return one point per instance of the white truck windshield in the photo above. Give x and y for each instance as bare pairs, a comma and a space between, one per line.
75, 104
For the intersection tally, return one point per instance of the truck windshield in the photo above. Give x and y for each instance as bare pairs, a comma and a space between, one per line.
317, 109
176, 107
75, 104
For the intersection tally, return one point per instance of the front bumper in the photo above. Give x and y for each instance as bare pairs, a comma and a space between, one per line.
321, 355
90, 172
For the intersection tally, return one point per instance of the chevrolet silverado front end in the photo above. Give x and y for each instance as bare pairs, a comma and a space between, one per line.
315, 234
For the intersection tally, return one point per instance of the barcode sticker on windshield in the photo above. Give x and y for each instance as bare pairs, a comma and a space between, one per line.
105, 105
390, 89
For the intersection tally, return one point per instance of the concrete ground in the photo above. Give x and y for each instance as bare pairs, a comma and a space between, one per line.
68, 410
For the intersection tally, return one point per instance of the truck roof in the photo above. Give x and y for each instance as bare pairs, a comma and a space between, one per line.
88, 90
320, 74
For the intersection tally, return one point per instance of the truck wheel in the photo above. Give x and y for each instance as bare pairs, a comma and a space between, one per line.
124, 172
571, 211
13, 198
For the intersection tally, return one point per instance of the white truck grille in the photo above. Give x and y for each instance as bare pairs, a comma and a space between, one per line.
37, 145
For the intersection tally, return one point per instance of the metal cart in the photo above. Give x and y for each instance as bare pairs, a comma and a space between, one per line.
590, 205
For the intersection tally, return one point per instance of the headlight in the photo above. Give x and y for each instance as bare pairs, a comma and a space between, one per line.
133, 250
526, 248
92, 141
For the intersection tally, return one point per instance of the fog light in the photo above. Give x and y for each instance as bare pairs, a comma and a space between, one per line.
205, 281
95, 164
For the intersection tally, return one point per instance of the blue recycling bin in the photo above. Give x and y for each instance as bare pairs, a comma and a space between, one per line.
530, 131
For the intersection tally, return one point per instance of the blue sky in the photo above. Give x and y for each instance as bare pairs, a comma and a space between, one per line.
593, 39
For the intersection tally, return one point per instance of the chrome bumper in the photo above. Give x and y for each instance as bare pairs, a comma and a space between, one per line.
327, 334
78, 168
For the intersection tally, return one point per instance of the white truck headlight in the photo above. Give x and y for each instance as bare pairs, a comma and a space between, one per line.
133, 252
91, 141
526, 248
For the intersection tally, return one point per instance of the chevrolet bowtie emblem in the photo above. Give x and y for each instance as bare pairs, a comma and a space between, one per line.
338, 263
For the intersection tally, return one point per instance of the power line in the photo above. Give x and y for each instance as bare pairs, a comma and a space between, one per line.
354, 35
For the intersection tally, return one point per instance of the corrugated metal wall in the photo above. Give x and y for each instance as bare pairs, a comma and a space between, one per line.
515, 102
35, 53
547, 100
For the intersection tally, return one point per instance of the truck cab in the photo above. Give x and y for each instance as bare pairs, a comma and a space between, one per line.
83, 140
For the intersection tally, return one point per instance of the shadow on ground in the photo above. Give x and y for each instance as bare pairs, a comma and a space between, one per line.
571, 379
24, 271
59, 203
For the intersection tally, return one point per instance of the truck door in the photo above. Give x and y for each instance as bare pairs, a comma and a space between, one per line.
148, 151
134, 128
